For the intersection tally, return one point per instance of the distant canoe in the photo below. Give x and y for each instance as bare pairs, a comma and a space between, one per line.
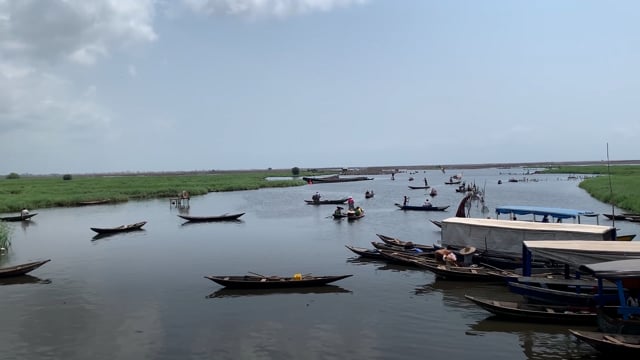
273, 282
334, 179
21, 269
419, 187
225, 217
121, 228
18, 217
93, 202
326, 202
422, 208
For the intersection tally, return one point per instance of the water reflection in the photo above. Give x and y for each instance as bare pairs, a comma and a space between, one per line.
146, 298
23, 279
226, 293
191, 223
114, 234
538, 341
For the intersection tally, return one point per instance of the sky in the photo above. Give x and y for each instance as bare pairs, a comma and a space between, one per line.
92, 86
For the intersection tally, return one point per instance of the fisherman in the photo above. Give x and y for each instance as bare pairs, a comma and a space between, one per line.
351, 203
316, 197
427, 203
405, 201
24, 212
425, 182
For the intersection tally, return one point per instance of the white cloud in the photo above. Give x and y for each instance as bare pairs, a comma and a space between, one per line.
38, 42
266, 8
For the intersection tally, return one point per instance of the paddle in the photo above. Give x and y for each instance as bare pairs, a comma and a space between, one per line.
252, 273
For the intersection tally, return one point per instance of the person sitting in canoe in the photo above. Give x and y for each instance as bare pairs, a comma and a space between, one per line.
446, 256
338, 211
24, 212
359, 211
427, 203
316, 197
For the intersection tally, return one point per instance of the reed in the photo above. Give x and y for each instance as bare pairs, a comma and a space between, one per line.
5, 236
624, 191
46, 192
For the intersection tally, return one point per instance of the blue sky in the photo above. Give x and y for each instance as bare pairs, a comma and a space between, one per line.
115, 85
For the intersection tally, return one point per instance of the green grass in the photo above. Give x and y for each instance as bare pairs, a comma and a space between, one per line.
624, 191
46, 192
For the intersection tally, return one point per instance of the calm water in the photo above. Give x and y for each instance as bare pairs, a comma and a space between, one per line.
142, 295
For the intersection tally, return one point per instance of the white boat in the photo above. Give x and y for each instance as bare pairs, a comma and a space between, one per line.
505, 237
580, 252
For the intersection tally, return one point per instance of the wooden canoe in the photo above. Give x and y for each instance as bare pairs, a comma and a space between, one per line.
18, 217
422, 208
404, 244
273, 282
93, 202
21, 269
351, 216
611, 344
625, 237
419, 187
121, 228
364, 252
536, 313
224, 217
326, 202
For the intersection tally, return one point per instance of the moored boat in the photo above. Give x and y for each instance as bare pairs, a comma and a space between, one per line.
611, 344
364, 252
518, 311
271, 282
18, 270
121, 228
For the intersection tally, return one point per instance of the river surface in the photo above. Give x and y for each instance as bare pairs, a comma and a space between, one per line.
142, 295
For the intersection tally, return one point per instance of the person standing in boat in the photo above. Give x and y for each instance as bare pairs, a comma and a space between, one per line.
351, 203
425, 182
405, 201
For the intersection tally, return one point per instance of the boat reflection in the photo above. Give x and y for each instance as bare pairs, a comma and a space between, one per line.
230, 293
23, 279
108, 235
237, 221
453, 292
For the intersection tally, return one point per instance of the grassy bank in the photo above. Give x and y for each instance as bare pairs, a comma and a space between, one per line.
624, 191
46, 192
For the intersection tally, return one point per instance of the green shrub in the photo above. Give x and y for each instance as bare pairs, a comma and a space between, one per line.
295, 171
66, 177
13, 176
